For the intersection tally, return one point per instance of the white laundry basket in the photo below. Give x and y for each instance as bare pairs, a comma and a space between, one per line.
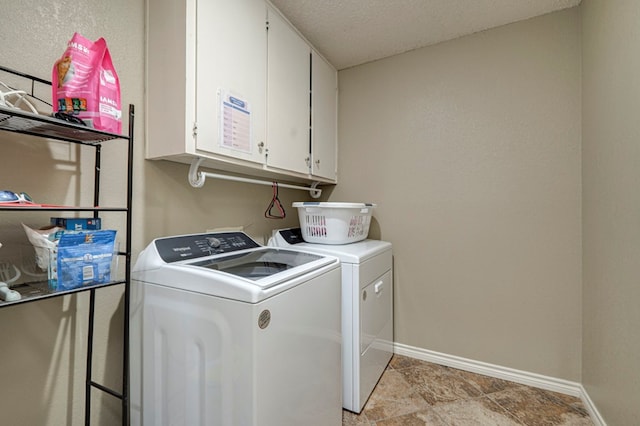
334, 223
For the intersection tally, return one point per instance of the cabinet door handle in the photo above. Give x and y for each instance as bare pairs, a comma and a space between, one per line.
260, 147
308, 161
378, 287
318, 163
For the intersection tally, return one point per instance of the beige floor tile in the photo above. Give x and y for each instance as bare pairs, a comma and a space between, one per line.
352, 419
472, 412
536, 407
419, 418
485, 384
379, 409
439, 384
393, 397
413, 392
392, 384
399, 362
572, 401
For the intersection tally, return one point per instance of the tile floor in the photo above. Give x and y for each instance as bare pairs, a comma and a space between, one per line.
412, 392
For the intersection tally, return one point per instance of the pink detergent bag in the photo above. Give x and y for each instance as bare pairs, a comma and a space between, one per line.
85, 84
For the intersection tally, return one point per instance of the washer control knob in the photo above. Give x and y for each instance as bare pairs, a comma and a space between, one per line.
213, 242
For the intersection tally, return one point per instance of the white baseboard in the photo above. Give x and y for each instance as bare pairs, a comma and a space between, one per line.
591, 408
518, 376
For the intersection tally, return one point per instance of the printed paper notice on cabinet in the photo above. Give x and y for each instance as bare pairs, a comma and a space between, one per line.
235, 123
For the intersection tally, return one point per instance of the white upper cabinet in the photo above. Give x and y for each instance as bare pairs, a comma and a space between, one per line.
288, 97
171, 79
230, 81
231, 54
324, 119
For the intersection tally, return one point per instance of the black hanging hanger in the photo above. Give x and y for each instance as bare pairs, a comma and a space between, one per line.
275, 202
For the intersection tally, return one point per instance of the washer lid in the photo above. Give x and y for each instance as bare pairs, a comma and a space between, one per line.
258, 264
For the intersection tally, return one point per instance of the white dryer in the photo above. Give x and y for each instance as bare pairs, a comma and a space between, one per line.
367, 310
225, 332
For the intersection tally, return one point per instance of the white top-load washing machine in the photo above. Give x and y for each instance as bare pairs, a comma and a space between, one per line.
367, 310
227, 332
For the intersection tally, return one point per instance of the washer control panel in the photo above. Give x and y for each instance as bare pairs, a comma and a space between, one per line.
188, 247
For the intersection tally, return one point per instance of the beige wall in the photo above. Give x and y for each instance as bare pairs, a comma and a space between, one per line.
611, 207
43, 344
471, 148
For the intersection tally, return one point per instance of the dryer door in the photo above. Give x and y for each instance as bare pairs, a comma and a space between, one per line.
376, 334
376, 307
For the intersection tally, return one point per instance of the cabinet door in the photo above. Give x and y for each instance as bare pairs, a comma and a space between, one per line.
324, 106
231, 78
288, 86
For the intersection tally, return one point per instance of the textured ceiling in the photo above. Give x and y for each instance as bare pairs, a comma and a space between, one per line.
352, 32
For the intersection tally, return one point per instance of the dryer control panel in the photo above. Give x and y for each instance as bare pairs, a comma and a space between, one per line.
189, 247
291, 235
